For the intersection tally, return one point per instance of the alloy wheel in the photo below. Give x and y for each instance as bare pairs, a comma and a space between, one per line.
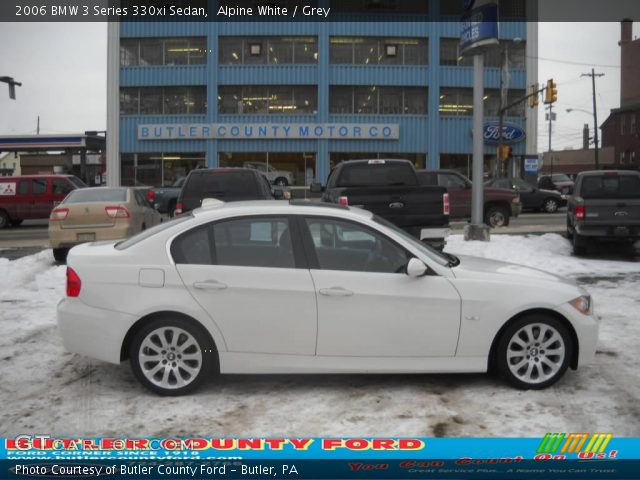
535, 353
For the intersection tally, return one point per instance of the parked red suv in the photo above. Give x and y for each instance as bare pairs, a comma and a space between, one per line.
499, 203
33, 196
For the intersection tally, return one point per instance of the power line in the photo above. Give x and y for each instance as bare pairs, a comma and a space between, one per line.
569, 62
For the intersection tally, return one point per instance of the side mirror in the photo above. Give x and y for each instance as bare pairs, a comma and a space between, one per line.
316, 187
278, 194
416, 268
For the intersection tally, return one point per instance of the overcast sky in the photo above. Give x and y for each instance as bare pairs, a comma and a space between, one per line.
63, 70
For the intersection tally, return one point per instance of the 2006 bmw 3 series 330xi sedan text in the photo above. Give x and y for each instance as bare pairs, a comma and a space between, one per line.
286, 287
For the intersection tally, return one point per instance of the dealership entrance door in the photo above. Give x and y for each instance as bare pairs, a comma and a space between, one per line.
291, 169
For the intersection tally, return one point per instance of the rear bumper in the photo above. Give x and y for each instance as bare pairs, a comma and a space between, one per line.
609, 232
91, 331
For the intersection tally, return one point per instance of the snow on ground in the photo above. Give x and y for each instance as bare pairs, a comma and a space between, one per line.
47, 390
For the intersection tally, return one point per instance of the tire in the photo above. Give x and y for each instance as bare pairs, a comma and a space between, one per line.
579, 244
16, 222
172, 209
281, 182
534, 352
550, 205
496, 216
4, 219
174, 375
569, 230
60, 254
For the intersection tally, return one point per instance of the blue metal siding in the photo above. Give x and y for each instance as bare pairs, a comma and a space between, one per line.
430, 134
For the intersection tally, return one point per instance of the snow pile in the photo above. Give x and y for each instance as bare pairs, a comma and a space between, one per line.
47, 390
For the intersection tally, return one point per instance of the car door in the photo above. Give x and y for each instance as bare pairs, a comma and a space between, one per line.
250, 275
23, 199
41, 197
367, 305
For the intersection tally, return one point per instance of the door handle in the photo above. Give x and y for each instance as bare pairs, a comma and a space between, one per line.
210, 285
336, 292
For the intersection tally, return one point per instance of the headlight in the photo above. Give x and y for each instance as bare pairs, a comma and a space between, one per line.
582, 304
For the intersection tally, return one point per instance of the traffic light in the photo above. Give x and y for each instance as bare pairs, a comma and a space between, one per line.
504, 152
550, 92
533, 96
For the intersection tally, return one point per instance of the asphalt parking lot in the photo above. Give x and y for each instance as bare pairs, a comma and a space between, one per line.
46, 389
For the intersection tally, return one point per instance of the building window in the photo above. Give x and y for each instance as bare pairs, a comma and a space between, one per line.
158, 168
162, 100
280, 168
378, 51
516, 51
622, 158
163, 51
623, 124
377, 100
267, 50
459, 102
632, 125
266, 99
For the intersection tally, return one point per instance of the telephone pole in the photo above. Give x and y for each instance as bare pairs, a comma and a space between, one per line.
593, 76
550, 115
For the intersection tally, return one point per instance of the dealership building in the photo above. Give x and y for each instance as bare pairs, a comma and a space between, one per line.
377, 79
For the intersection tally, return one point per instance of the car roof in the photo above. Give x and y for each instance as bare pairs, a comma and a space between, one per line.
278, 207
592, 173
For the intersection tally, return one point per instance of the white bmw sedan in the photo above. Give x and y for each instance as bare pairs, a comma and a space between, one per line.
279, 287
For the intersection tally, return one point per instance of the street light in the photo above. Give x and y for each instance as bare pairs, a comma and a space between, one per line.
569, 110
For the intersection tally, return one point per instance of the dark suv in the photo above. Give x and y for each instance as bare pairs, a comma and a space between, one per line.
606, 206
225, 184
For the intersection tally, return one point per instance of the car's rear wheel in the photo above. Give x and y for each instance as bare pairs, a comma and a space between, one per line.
534, 352
550, 205
60, 254
171, 356
579, 244
496, 216
4, 219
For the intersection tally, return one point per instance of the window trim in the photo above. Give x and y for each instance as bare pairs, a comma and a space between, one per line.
310, 249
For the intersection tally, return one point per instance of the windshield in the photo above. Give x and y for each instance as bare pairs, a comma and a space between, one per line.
430, 252
561, 177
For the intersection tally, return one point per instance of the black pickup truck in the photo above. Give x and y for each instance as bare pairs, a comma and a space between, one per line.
605, 206
390, 189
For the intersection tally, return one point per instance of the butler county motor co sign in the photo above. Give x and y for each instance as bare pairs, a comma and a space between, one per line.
258, 131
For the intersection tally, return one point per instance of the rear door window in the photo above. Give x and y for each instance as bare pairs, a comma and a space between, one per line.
23, 187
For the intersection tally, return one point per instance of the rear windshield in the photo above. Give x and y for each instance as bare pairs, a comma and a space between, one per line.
84, 195
561, 177
385, 175
152, 231
611, 186
223, 186
427, 178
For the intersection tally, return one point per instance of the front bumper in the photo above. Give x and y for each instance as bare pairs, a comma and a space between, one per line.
90, 331
586, 328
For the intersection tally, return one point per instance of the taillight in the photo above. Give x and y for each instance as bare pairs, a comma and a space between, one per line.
73, 283
580, 212
117, 212
344, 201
59, 214
151, 195
445, 204
178, 210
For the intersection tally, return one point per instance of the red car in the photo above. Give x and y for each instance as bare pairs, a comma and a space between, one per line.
31, 197
499, 203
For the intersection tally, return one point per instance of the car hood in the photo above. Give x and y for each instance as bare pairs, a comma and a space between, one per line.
474, 267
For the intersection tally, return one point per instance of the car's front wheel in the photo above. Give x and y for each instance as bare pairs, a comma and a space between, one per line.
496, 216
171, 356
60, 254
534, 352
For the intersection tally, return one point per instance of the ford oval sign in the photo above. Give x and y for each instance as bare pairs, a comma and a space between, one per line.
510, 134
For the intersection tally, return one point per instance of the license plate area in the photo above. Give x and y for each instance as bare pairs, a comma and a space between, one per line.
620, 231
86, 237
